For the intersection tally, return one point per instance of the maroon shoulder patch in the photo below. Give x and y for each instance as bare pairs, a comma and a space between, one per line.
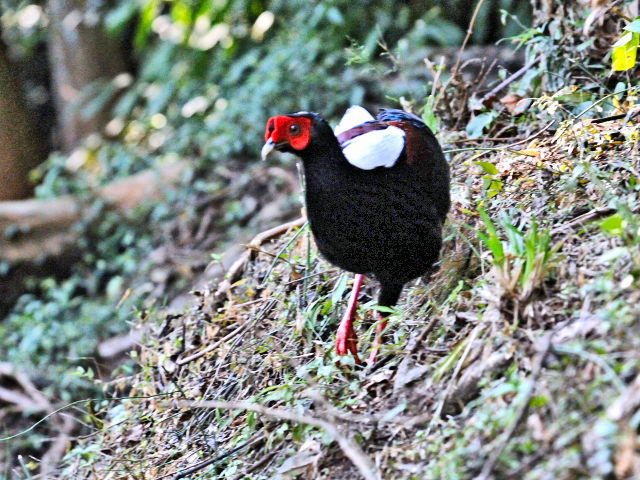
360, 130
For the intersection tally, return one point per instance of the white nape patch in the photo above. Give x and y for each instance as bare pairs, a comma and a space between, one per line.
377, 148
355, 115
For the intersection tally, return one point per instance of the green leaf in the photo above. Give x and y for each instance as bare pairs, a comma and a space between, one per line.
634, 26
334, 16
99, 95
624, 52
339, 289
476, 126
181, 13
502, 389
489, 168
149, 12
495, 187
491, 239
160, 101
429, 117
538, 401
116, 20
613, 225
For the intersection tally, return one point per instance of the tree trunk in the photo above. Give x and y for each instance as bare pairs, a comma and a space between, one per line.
81, 54
20, 146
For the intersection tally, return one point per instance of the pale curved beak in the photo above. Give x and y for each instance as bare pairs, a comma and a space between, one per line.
267, 149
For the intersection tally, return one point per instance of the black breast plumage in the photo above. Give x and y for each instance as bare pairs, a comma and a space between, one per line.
386, 221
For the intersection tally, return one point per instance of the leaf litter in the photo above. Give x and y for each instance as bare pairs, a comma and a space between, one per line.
525, 364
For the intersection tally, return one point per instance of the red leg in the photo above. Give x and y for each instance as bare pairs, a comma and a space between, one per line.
377, 341
346, 338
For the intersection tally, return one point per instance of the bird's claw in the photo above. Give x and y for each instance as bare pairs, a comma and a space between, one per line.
347, 341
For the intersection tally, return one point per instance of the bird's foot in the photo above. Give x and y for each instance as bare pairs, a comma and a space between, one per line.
347, 341
346, 338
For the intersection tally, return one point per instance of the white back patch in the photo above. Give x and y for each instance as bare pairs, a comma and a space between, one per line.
377, 148
355, 115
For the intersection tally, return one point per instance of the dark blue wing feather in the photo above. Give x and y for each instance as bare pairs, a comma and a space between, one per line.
395, 115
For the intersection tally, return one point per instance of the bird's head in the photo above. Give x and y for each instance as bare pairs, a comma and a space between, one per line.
288, 133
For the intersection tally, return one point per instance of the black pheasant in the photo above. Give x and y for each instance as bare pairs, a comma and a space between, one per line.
377, 195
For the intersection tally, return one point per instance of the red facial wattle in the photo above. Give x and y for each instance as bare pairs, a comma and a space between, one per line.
296, 131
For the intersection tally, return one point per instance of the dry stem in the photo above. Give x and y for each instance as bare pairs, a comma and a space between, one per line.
350, 448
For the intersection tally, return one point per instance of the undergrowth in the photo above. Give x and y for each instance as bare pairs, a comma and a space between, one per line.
518, 359
461, 365
202, 104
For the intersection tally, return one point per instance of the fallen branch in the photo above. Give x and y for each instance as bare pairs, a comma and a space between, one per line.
580, 220
114, 347
36, 229
260, 463
454, 376
64, 425
626, 116
351, 449
467, 387
404, 376
31, 400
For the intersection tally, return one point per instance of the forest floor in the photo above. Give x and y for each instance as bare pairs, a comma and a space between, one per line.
520, 358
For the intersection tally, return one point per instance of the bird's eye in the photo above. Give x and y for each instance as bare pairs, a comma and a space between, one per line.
271, 127
294, 129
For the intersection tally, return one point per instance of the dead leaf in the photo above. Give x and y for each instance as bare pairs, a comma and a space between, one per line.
304, 462
300, 320
599, 7
134, 434
510, 100
489, 101
529, 152
516, 105
627, 460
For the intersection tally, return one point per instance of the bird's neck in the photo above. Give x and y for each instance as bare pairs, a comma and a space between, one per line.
324, 164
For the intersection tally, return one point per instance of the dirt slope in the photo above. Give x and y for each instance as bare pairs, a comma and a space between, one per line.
519, 359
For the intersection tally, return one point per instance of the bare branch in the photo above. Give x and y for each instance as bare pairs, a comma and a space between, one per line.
350, 448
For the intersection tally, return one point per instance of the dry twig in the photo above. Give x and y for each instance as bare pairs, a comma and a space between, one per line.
472, 23
241, 263
580, 220
254, 440
269, 304
350, 448
213, 346
260, 463
32, 400
455, 374
509, 80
